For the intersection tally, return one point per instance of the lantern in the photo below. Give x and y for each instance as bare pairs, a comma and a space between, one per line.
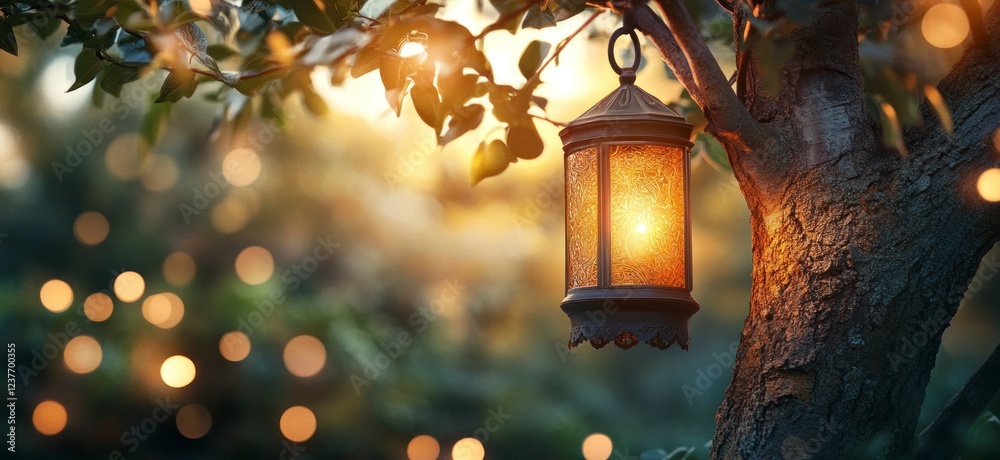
628, 247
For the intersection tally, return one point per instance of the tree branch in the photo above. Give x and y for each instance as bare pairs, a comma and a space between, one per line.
722, 108
942, 437
975, 13
652, 26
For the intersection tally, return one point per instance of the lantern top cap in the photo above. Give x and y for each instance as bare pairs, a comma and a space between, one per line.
628, 112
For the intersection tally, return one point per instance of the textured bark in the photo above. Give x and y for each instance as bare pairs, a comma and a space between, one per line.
861, 255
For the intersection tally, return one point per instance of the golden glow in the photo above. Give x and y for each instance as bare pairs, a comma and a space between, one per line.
177, 371
129, 287
83, 354
423, 447
241, 167
178, 269
468, 449
159, 173
581, 218
49, 417
234, 346
194, 421
201, 7
98, 307
945, 25
597, 447
298, 424
123, 158
254, 265
304, 356
56, 295
230, 216
647, 216
989, 185
410, 49
91, 228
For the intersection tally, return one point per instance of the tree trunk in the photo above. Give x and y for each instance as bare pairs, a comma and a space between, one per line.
861, 254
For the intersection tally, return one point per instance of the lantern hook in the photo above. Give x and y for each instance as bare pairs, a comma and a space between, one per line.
627, 75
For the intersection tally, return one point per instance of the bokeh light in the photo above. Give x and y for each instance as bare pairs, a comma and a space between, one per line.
179, 269
241, 167
177, 371
298, 424
14, 169
234, 346
597, 446
423, 447
164, 310
194, 421
304, 356
410, 49
230, 216
49, 417
129, 286
56, 295
98, 307
254, 265
91, 228
159, 173
124, 158
202, 7
989, 185
468, 449
945, 25
83, 354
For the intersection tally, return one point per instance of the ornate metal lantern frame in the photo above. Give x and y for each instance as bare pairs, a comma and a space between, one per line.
628, 245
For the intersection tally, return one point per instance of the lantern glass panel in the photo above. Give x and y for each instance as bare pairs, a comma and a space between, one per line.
647, 215
581, 218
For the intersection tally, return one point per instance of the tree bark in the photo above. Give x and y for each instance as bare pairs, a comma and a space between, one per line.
861, 254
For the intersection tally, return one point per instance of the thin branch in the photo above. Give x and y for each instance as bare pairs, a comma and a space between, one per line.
549, 120
943, 436
721, 106
652, 26
536, 78
975, 13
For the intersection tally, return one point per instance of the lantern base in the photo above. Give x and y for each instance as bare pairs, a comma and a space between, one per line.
656, 316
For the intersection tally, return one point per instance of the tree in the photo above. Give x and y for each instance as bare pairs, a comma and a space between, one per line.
866, 227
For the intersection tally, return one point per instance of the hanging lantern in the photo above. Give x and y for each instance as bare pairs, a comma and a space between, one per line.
628, 246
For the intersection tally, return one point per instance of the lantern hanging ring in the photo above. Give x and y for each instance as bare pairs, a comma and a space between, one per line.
626, 75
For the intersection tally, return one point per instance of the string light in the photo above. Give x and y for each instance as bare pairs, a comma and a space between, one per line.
304, 356
423, 447
83, 354
234, 346
298, 424
254, 265
49, 418
597, 446
98, 307
129, 287
56, 295
177, 371
91, 228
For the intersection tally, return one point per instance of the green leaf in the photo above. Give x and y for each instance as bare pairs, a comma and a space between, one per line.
114, 77
133, 49
367, 60
44, 26
249, 86
462, 121
220, 51
426, 102
713, 151
536, 18
533, 57
524, 141
314, 103
8, 42
333, 47
490, 160
309, 13
153, 122
86, 67
180, 83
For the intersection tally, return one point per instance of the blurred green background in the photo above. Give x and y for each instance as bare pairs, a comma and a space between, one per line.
483, 268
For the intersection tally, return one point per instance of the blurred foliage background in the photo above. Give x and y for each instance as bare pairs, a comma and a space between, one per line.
472, 276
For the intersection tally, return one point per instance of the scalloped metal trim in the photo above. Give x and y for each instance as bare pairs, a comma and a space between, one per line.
660, 337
